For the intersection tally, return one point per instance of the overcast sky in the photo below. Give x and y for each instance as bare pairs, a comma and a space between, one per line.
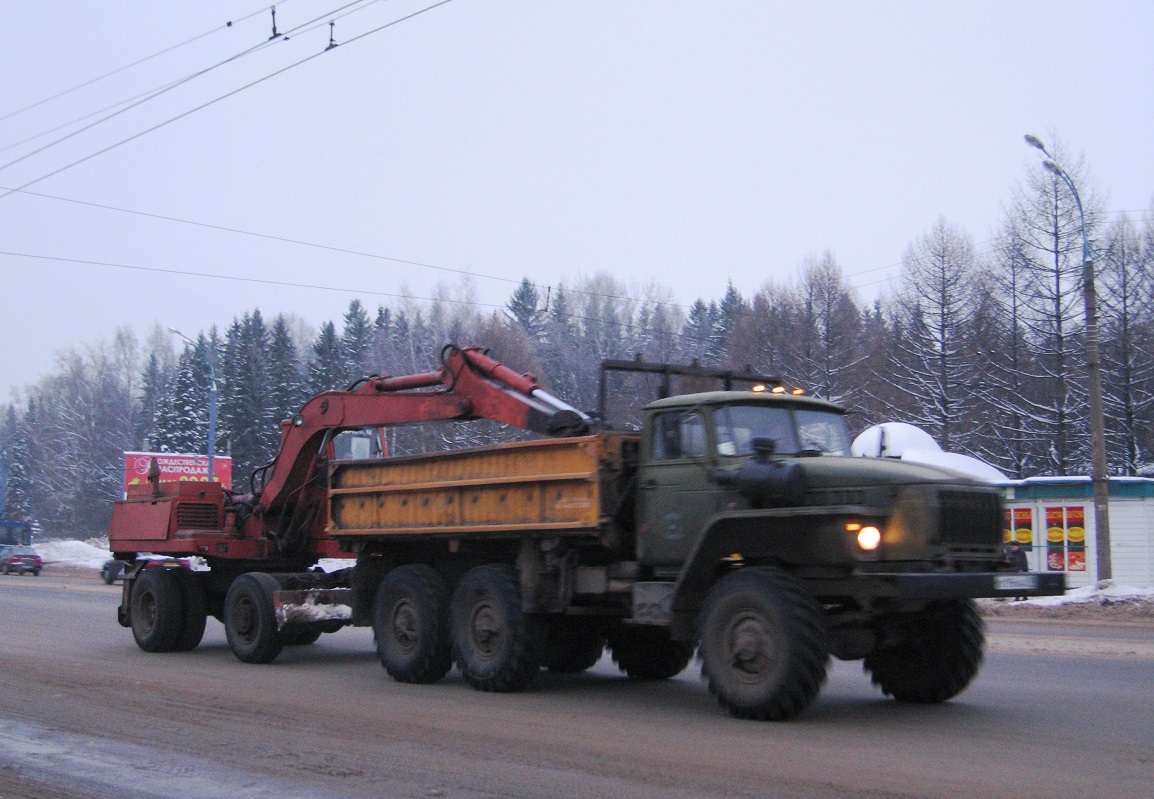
683, 143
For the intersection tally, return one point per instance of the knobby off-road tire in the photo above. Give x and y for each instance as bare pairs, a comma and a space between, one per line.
573, 645
648, 653
762, 645
157, 609
929, 656
411, 625
250, 618
497, 647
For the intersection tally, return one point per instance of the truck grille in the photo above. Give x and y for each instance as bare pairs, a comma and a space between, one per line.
197, 516
969, 518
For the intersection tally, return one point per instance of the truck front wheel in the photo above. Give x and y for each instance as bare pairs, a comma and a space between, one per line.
929, 656
497, 646
250, 618
157, 610
411, 625
762, 645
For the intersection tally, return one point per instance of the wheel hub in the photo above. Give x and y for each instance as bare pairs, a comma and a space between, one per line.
749, 648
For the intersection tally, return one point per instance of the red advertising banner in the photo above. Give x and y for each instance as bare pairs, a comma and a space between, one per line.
1056, 539
1024, 526
176, 466
1076, 539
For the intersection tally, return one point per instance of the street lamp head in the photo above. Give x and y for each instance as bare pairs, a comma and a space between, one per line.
1052, 167
1034, 141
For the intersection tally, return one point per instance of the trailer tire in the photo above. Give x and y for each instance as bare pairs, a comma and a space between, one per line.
762, 645
644, 652
496, 645
573, 645
411, 624
250, 618
157, 610
935, 653
195, 601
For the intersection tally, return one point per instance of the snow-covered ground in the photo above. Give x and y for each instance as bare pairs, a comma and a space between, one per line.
93, 552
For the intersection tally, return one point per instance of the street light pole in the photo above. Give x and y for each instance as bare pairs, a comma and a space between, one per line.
212, 394
1100, 478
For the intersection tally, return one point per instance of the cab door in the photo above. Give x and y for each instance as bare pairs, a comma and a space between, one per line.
677, 495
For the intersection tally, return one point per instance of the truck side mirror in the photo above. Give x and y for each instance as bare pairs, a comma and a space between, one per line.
763, 448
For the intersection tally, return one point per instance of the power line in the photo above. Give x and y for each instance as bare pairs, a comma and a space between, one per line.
320, 287
214, 101
126, 67
315, 245
154, 93
238, 278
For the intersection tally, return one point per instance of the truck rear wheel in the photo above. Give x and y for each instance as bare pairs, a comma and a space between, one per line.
250, 618
411, 625
762, 645
930, 656
157, 610
648, 653
496, 645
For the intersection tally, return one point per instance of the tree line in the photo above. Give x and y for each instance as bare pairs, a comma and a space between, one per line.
980, 345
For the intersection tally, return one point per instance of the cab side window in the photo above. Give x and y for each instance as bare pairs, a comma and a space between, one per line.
678, 435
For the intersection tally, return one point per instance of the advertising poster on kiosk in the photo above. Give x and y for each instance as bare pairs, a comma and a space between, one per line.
1066, 538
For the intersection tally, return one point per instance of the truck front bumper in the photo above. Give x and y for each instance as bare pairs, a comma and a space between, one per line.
969, 586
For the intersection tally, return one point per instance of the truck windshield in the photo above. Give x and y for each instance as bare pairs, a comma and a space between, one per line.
793, 430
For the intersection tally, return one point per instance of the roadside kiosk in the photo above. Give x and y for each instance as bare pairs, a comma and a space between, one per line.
1052, 518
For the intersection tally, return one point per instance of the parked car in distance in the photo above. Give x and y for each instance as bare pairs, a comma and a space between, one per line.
20, 559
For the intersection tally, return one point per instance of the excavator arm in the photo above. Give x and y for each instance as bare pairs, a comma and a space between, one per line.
469, 385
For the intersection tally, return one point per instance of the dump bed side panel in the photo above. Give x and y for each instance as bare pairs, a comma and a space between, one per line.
547, 485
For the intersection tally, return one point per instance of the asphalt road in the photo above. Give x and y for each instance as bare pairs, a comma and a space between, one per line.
1058, 711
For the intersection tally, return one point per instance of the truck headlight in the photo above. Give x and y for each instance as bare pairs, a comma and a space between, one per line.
868, 538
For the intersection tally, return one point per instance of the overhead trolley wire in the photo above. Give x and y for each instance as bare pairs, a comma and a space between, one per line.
154, 93
326, 247
127, 67
214, 101
339, 289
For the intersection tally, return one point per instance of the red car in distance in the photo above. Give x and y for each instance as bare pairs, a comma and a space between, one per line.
20, 559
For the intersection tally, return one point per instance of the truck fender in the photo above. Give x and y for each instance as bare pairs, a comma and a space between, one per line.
782, 537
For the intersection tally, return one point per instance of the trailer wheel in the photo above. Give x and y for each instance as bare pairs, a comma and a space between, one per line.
930, 656
157, 610
762, 645
195, 601
411, 624
497, 646
648, 653
573, 645
250, 618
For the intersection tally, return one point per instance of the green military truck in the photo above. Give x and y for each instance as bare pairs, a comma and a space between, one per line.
730, 523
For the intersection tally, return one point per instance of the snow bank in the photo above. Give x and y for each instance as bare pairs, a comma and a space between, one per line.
92, 552
1103, 592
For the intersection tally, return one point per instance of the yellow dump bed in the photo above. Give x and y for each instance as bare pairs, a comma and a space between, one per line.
548, 485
